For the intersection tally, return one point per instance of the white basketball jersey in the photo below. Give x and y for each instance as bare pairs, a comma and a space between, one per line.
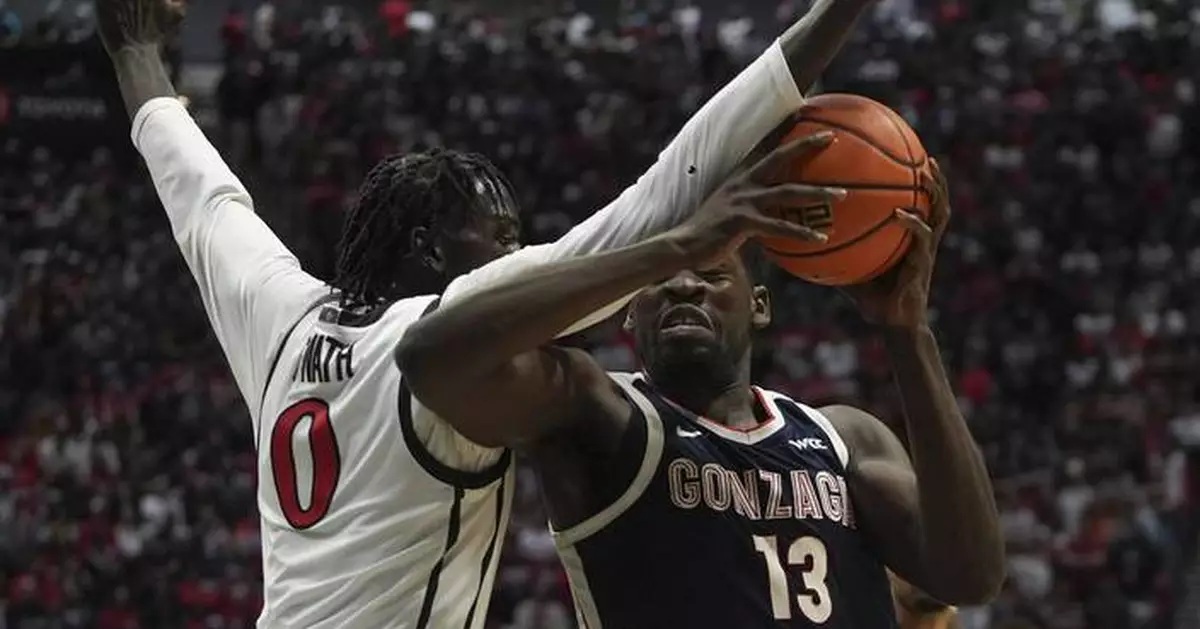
364, 523
369, 520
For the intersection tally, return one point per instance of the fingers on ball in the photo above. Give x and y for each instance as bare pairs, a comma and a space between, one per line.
779, 157
913, 223
791, 193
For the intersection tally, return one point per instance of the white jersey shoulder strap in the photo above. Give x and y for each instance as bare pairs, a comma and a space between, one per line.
818, 419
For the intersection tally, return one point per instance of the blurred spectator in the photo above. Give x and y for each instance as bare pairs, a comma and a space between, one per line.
10, 25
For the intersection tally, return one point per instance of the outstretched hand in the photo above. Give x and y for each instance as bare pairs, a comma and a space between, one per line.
737, 211
124, 23
900, 297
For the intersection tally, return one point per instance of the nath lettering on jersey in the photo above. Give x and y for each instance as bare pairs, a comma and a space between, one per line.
325, 359
761, 494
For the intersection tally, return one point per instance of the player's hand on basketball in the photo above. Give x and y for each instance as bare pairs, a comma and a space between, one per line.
900, 297
124, 23
738, 210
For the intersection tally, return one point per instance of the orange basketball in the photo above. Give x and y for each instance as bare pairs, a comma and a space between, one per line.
878, 159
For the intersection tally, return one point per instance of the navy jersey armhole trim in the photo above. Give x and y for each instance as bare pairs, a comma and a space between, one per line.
612, 475
435, 468
631, 451
648, 446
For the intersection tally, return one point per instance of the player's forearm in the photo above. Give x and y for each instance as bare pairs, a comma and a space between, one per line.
946, 619
702, 155
475, 336
141, 75
718, 138
963, 546
812, 42
917, 610
188, 172
711, 145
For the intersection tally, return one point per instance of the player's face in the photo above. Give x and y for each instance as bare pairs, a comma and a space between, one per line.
699, 319
487, 235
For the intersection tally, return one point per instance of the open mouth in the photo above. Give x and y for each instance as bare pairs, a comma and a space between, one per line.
685, 317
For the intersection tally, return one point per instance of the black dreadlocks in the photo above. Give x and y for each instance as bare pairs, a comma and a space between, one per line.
436, 190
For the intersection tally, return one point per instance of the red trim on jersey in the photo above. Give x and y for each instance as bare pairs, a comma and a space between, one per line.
773, 421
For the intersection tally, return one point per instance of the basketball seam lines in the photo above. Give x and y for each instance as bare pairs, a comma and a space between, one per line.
912, 158
911, 163
861, 186
868, 141
838, 247
907, 240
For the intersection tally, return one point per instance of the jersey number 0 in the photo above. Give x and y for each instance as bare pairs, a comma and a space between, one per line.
326, 462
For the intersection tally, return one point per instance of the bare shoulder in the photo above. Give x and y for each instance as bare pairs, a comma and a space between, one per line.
586, 377
592, 394
865, 434
577, 456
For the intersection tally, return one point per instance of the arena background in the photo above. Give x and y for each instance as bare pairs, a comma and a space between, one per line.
1065, 299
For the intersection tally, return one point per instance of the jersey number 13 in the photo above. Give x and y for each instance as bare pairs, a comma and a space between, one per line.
813, 598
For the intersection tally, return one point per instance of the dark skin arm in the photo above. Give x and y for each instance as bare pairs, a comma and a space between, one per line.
133, 32
496, 344
812, 42
931, 509
808, 47
917, 610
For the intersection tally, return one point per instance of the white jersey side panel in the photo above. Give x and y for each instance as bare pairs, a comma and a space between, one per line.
362, 528
376, 513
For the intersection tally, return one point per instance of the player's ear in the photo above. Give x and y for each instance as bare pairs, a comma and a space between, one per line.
630, 321
760, 307
430, 253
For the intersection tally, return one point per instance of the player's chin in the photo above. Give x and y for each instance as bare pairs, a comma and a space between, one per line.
684, 335
686, 347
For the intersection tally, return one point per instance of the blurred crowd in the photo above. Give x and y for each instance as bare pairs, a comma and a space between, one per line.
53, 21
1071, 134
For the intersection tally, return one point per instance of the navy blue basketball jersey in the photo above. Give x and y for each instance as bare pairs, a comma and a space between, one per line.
728, 529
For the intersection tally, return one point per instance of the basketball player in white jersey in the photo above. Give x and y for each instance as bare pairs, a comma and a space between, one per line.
374, 512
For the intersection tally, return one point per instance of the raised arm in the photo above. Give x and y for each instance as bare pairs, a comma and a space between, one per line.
811, 43
251, 285
494, 343
705, 152
929, 510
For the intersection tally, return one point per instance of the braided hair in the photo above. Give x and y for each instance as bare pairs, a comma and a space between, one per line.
435, 190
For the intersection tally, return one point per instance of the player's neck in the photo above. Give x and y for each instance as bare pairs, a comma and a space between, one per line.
421, 281
735, 408
729, 401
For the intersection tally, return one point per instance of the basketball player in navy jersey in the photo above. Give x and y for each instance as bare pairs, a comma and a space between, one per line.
686, 497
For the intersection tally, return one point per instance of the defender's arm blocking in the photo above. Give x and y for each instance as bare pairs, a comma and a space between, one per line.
707, 150
494, 342
249, 282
